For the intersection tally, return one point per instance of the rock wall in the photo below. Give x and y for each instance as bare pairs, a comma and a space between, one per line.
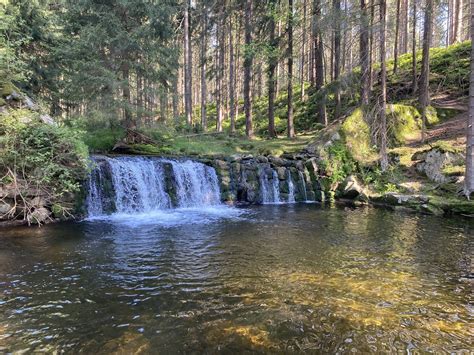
246, 178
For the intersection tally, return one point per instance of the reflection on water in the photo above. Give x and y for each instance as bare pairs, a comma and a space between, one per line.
267, 279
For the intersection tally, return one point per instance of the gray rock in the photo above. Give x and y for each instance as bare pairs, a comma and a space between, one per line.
30, 104
433, 162
38, 216
4, 208
47, 119
262, 159
351, 188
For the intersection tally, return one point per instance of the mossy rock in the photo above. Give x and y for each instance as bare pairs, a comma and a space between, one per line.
356, 133
7, 89
403, 123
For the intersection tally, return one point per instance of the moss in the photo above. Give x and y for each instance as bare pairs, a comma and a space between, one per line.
7, 89
356, 134
454, 170
403, 123
453, 205
2, 102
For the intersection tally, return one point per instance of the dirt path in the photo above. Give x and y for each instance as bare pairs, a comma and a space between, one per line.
453, 130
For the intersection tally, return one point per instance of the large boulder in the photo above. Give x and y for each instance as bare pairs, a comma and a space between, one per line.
432, 162
350, 188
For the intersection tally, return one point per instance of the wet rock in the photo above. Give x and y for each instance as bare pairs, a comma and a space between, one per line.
393, 198
281, 171
262, 159
351, 188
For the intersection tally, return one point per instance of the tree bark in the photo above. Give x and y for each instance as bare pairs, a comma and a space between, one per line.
364, 54
204, 67
248, 69
413, 52
290, 125
303, 51
188, 57
425, 66
220, 67
397, 30
272, 64
383, 95
469, 176
231, 78
337, 55
318, 51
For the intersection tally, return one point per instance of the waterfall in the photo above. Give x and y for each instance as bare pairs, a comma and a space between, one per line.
291, 188
94, 193
270, 191
143, 184
303, 184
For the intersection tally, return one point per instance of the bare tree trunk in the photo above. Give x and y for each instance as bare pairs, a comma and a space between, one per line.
405, 26
188, 58
383, 95
425, 66
469, 177
126, 96
414, 75
456, 12
364, 53
371, 44
220, 67
204, 68
248, 69
319, 61
231, 78
290, 126
303, 51
272, 64
397, 30
337, 55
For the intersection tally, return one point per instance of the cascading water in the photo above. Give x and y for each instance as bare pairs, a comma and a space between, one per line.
141, 184
270, 190
291, 188
303, 184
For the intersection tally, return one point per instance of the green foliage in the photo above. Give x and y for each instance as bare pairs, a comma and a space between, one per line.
336, 164
50, 157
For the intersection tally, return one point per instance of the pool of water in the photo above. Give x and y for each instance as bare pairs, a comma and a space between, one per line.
265, 279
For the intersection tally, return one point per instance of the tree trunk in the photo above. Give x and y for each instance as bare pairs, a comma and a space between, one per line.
469, 177
364, 54
337, 55
204, 67
425, 66
397, 30
248, 69
303, 50
272, 64
290, 126
383, 95
127, 114
413, 52
188, 57
220, 67
319, 61
371, 44
456, 12
231, 78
